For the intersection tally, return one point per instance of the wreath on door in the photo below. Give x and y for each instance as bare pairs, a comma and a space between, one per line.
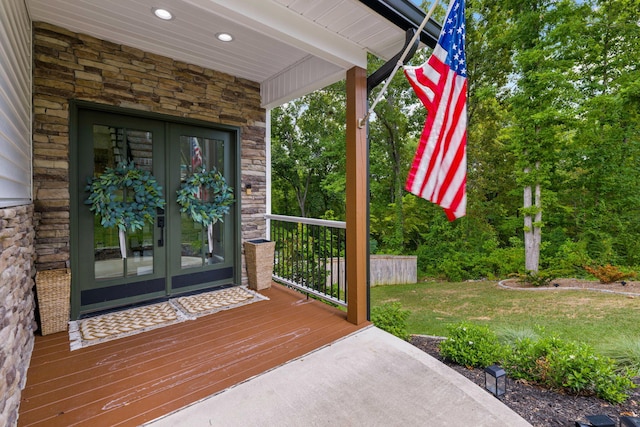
218, 200
143, 197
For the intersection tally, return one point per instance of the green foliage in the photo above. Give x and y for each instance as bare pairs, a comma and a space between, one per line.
500, 261
219, 197
124, 197
373, 246
540, 278
567, 365
547, 360
511, 334
602, 322
549, 92
392, 318
397, 220
308, 154
625, 351
591, 317
454, 268
452, 255
569, 259
472, 345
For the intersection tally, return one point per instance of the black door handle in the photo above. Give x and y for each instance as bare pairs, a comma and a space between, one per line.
161, 226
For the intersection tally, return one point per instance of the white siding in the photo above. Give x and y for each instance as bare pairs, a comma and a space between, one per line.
304, 77
15, 103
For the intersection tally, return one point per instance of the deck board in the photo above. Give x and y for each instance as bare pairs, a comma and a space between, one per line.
133, 380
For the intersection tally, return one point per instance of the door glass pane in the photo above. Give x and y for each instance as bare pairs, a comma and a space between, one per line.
113, 145
198, 247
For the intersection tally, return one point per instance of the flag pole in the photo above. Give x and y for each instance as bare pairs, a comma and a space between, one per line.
363, 121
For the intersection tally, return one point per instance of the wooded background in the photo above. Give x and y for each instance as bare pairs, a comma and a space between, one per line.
553, 109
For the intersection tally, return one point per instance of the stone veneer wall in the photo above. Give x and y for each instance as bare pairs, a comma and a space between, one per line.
76, 66
16, 306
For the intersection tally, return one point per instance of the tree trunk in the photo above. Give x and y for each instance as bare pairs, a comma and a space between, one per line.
398, 182
532, 226
301, 196
537, 226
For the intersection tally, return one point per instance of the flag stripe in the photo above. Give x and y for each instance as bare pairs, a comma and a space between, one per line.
426, 156
435, 138
455, 163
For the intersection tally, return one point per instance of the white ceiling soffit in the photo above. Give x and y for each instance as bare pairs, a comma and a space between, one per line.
291, 47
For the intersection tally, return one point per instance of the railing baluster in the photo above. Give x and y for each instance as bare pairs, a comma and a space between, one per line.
342, 262
328, 248
309, 278
319, 272
296, 264
306, 259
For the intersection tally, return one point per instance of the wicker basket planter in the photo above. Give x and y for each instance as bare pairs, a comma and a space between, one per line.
53, 288
259, 256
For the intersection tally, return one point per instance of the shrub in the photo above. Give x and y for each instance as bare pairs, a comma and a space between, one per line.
608, 273
503, 260
625, 351
471, 345
540, 278
570, 257
510, 335
453, 270
497, 263
574, 367
392, 318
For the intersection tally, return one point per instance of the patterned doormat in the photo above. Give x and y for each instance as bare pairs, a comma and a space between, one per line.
212, 302
120, 324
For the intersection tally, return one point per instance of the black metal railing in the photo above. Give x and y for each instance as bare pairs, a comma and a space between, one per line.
310, 256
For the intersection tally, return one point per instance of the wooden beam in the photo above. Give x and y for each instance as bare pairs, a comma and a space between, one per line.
357, 197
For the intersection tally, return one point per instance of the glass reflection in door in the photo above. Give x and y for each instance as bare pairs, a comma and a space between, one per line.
198, 248
112, 146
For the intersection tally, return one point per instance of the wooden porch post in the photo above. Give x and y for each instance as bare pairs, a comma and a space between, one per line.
357, 197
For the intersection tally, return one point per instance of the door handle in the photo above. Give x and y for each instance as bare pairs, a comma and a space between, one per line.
161, 227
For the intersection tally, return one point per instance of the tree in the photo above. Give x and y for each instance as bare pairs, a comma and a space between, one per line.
308, 153
603, 163
490, 162
539, 105
553, 145
392, 144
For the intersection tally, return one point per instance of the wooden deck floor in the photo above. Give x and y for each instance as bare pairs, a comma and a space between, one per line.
133, 380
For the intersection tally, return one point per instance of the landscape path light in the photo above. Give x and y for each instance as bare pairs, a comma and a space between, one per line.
629, 421
495, 380
597, 421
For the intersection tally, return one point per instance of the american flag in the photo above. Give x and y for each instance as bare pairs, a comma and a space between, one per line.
196, 154
439, 169
197, 165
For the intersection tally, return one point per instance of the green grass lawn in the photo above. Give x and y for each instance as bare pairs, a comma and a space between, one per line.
599, 319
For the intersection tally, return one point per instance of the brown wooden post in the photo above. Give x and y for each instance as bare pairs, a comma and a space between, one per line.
357, 197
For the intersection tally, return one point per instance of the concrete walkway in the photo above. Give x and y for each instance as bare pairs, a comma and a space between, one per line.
370, 378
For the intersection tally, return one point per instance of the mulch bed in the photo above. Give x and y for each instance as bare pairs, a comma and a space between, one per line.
629, 287
539, 406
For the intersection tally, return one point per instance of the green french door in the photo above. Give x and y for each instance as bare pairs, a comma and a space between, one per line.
173, 255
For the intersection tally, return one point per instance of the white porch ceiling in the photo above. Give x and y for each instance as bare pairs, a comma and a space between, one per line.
291, 47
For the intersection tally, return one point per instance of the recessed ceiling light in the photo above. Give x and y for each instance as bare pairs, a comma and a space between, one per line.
224, 37
162, 13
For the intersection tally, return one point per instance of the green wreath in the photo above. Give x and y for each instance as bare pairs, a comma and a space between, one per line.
201, 211
143, 196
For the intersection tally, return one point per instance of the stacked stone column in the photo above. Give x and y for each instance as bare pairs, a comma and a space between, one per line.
16, 306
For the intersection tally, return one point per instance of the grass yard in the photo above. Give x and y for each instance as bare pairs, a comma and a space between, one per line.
602, 320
